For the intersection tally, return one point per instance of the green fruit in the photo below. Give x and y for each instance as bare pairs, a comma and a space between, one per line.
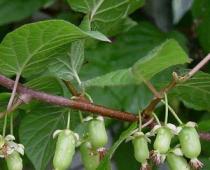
90, 158
190, 142
65, 149
14, 161
97, 133
163, 140
177, 162
141, 151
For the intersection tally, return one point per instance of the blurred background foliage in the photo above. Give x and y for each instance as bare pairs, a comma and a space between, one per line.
147, 24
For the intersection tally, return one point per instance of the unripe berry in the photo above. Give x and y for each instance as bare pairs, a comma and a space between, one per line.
14, 161
97, 133
177, 162
163, 140
190, 143
65, 149
141, 151
90, 158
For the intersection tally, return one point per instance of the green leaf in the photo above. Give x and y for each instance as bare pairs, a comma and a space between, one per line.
200, 9
206, 162
133, 45
123, 155
105, 15
37, 127
4, 98
204, 125
101, 10
97, 35
46, 84
201, 14
118, 77
16, 10
195, 93
77, 55
117, 27
167, 54
105, 163
27, 50
134, 5
68, 66
36, 132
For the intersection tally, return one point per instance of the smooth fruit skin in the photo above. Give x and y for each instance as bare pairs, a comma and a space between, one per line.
177, 162
97, 133
141, 151
190, 143
65, 149
14, 161
163, 140
90, 158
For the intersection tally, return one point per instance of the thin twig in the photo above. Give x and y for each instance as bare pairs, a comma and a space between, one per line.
152, 89
173, 112
23, 98
75, 93
151, 107
199, 66
13, 92
166, 109
71, 88
148, 123
10, 103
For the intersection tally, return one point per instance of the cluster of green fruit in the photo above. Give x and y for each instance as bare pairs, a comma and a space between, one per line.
189, 147
94, 138
10, 151
90, 147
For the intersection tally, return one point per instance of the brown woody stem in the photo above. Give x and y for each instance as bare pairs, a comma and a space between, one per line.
199, 66
71, 88
152, 89
97, 109
75, 104
204, 136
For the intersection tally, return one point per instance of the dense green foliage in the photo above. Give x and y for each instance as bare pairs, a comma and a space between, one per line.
107, 49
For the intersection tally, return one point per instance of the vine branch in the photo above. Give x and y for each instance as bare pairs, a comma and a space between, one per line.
71, 88
199, 66
61, 101
204, 136
97, 109
156, 100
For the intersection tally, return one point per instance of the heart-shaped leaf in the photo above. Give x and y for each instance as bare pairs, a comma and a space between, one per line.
165, 55
27, 50
102, 10
68, 65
